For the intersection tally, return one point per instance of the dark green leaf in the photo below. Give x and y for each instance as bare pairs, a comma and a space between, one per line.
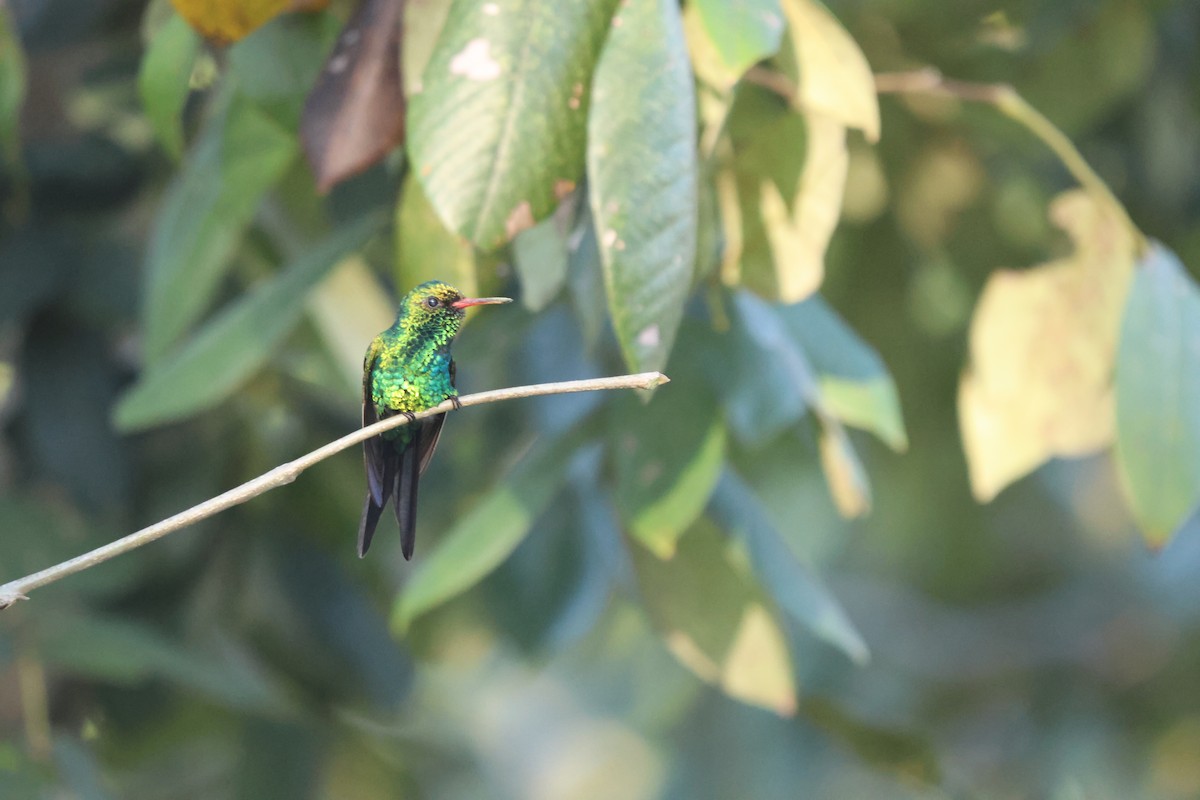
233, 346
643, 178
481, 539
854, 382
497, 130
792, 585
163, 80
668, 455
1158, 396
242, 153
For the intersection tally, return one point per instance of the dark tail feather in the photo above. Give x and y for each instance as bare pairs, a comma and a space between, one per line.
373, 510
406, 494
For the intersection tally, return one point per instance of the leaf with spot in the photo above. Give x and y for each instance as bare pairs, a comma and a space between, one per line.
496, 132
354, 114
643, 178
1043, 344
1158, 396
668, 455
209, 366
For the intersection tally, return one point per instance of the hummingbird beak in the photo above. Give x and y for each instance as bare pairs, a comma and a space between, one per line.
480, 301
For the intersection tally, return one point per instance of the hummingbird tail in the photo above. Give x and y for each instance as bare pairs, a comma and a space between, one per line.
406, 493
376, 502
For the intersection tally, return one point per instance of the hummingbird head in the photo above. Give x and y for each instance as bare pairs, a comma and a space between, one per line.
438, 308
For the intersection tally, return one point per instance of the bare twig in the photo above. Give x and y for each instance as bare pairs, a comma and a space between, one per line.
286, 473
1006, 100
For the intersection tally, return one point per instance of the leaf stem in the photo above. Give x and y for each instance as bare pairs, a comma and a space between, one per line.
286, 473
1008, 102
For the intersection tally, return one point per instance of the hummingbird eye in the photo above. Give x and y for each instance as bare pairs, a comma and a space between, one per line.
432, 301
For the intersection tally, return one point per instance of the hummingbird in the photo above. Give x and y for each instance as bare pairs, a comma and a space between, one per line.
407, 369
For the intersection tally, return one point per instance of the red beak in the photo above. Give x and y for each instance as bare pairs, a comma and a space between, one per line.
480, 301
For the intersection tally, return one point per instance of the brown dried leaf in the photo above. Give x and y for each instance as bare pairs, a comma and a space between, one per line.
354, 114
1043, 345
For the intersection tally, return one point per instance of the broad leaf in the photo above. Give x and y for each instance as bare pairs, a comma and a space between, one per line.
242, 153
220, 356
482, 538
496, 131
642, 178
164, 80
740, 34
668, 455
354, 114
854, 382
1043, 345
1158, 396
425, 250
713, 621
833, 78
790, 583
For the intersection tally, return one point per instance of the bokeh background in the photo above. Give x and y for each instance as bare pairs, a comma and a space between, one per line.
1028, 648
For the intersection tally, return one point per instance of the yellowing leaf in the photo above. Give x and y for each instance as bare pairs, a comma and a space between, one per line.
757, 669
226, 21
800, 236
832, 74
1043, 344
844, 473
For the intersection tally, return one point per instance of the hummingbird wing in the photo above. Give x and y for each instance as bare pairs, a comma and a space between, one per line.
433, 429
374, 450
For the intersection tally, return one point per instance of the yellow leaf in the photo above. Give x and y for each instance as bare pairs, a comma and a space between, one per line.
834, 78
758, 669
799, 237
848, 485
1043, 344
226, 21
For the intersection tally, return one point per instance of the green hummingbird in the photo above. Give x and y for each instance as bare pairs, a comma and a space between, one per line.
407, 369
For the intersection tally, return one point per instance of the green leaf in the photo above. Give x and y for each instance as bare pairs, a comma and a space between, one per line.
163, 80
854, 382
1158, 396
12, 87
668, 456
643, 178
425, 250
482, 538
714, 623
233, 346
497, 130
743, 33
242, 153
540, 256
791, 584
585, 280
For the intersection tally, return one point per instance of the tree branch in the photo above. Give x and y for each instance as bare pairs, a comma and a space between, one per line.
1006, 100
284, 474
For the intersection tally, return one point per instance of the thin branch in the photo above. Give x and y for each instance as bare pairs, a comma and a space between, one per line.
1006, 100
286, 473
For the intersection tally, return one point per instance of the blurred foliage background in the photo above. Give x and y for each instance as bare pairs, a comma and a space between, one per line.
610, 598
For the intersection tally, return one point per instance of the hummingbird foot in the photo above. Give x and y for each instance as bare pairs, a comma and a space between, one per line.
454, 401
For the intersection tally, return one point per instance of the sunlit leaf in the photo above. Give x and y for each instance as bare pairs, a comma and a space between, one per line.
668, 455
642, 178
422, 27
349, 307
496, 132
833, 78
241, 154
713, 622
1158, 396
355, 113
482, 538
1043, 345
164, 80
854, 383
739, 34
540, 257
848, 483
225, 21
425, 250
794, 587
234, 345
